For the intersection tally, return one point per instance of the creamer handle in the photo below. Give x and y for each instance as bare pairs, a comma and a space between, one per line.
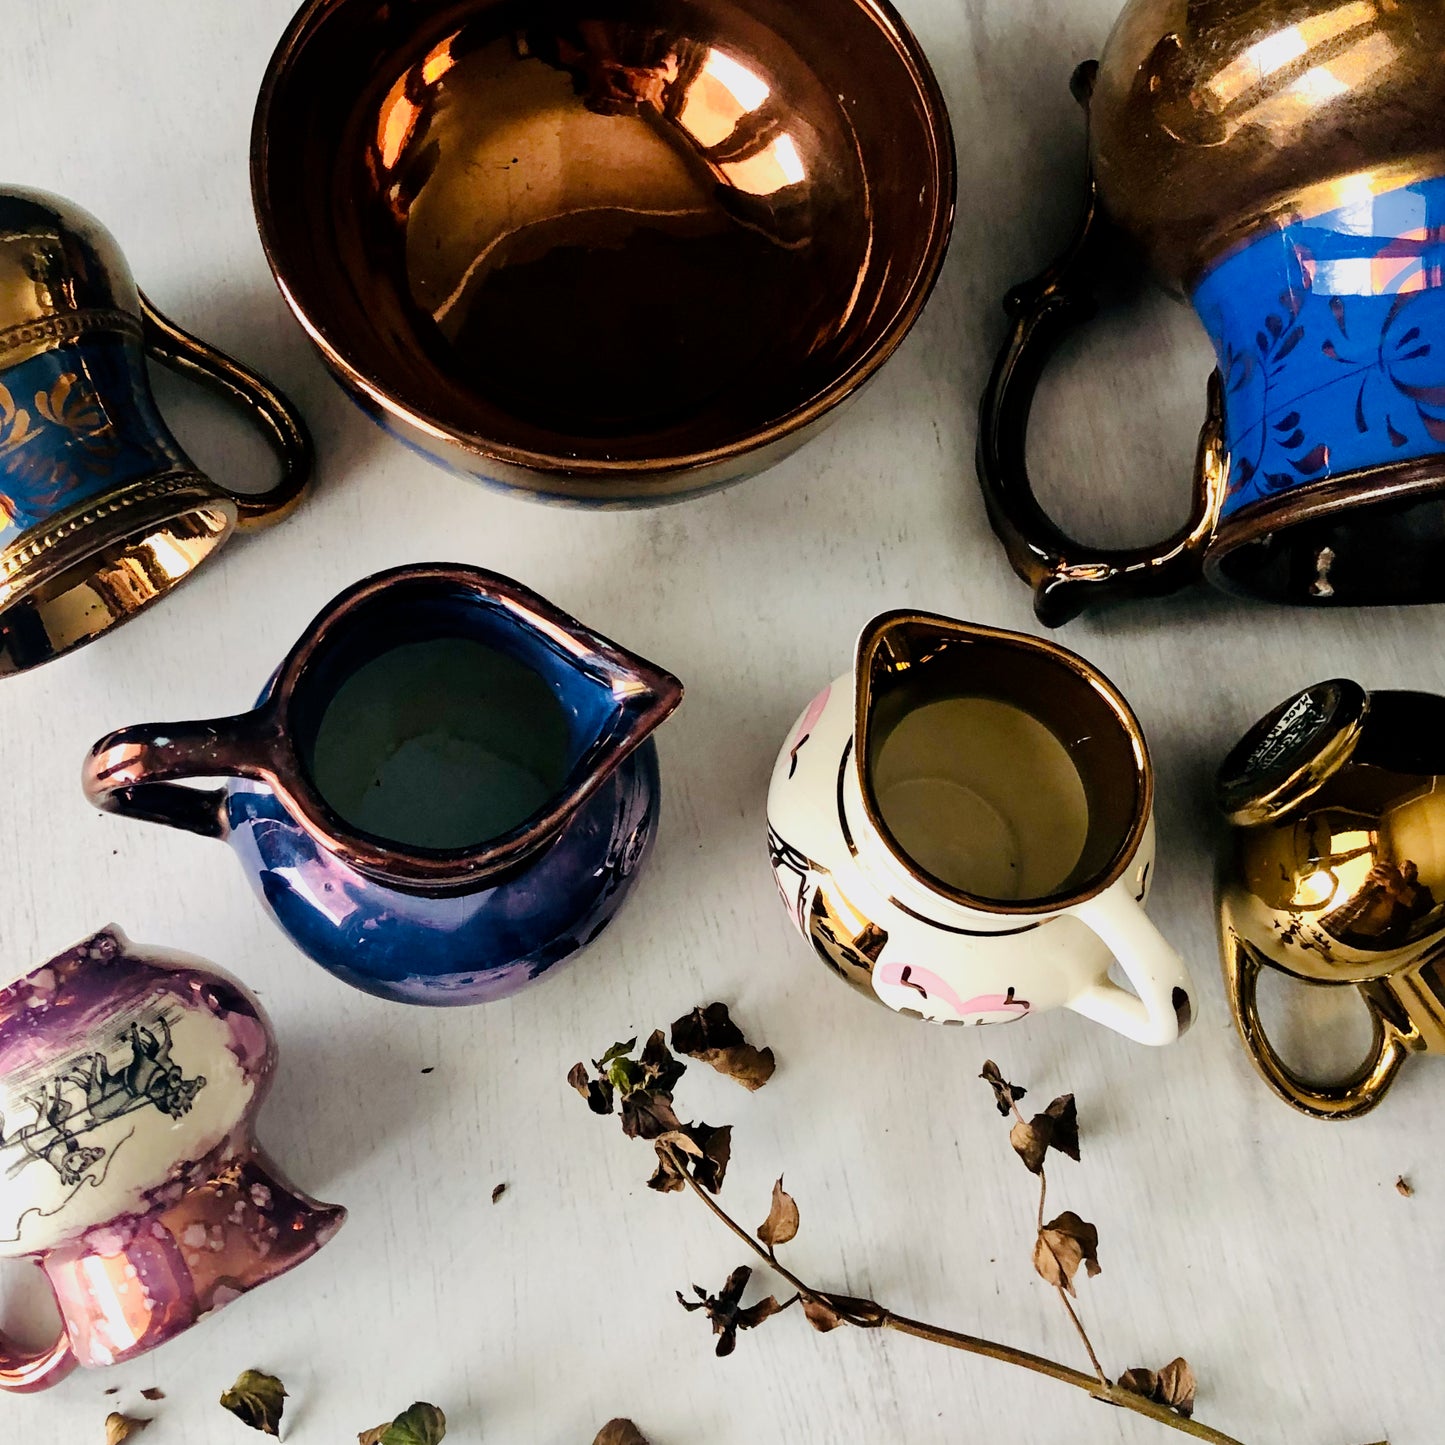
137, 770
1160, 1009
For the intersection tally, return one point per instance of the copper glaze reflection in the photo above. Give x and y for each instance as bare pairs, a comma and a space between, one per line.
1212, 119
586, 244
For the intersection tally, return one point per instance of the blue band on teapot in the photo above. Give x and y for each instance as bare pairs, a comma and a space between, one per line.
76, 421
1330, 334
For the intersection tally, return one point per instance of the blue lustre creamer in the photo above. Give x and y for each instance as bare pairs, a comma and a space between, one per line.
447, 788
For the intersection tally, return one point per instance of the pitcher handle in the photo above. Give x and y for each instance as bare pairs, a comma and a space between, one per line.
282, 424
23, 1372
1350, 1098
135, 771
1160, 1009
1066, 575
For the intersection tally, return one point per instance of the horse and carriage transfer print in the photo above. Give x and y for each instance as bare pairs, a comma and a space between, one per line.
68, 1107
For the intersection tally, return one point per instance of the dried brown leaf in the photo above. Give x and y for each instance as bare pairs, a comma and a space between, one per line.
257, 1400
828, 1312
1030, 1143
418, 1424
1062, 1246
1173, 1386
620, 1432
152, 1394
1064, 1136
680, 1140
674, 1150
725, 1309
821, 1315
1056, 1128
1005, 1094
120, 1427
781, 1225
646, 1115
755, 1314
661, 1069
710, 1035
717, 1148
668, 1177
1177, 1387
1139, 1381
597, 1092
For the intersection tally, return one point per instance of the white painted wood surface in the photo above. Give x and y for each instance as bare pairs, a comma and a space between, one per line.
1274, 1252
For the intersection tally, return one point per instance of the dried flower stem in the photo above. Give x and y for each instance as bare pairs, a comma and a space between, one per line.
872, 1315
1063, 1294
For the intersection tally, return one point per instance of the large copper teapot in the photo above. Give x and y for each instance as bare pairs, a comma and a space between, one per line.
1282, 165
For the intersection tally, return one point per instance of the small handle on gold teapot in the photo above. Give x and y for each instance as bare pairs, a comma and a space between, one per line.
1349, 1098
1067, 576
278, 419
24, 1371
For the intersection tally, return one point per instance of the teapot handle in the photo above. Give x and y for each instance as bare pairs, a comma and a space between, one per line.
1067, 576
181, 352
1160, 1009
23, 1372
134, 771
1350, 1098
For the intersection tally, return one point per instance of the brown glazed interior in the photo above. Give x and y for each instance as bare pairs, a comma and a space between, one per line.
586, 234
906, 661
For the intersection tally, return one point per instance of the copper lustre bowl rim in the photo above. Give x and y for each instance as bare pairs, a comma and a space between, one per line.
943, 164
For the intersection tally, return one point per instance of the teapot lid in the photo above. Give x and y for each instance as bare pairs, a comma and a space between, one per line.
1290, 753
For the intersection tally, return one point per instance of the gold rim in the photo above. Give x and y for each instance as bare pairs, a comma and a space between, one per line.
869, 646
101, 562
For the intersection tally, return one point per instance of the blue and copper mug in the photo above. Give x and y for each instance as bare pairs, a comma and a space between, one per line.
448, 787
1281, 163
101, 512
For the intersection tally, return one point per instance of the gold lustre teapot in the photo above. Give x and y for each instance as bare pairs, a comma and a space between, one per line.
1334, 873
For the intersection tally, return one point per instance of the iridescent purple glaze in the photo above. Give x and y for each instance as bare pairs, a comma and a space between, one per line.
130, 1081
467, 921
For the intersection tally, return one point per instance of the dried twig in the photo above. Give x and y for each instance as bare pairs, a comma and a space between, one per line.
694, 1157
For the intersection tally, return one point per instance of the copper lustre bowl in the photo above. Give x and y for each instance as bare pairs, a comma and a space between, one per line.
603, 253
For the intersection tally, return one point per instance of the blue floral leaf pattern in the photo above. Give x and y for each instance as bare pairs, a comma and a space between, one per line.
1289, 343
1328, 334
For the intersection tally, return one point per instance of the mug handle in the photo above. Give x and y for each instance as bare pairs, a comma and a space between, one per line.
1160, 1009
1066, 575
24, 1372
134, 771
282, 424
1350, 1098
